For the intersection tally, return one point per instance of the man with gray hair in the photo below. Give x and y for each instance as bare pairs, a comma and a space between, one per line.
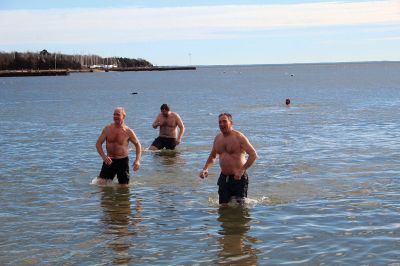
116, 162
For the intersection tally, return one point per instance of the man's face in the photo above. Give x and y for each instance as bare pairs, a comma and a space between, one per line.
118, 117
225, 125
165, 112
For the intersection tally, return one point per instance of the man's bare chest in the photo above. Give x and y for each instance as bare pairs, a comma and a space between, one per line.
168, 122
117, 137
230, 146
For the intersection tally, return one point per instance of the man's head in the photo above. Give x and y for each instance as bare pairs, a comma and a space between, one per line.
225, 122
165, 109
119, 115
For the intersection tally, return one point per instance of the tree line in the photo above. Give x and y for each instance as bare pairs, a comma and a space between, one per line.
44, 60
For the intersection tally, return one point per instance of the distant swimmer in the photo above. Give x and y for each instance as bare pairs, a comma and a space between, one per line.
287, 102
168, 122
116, 162
133, 93
231, 146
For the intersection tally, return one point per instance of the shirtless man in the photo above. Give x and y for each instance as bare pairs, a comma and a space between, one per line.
168, 122
231, 146
116, 162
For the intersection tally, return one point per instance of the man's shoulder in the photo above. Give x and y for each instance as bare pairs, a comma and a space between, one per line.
241, 137
238, 133
219, 136
109, 126
126, 128
175, 114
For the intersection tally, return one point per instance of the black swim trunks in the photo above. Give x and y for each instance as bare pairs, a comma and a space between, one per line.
162, 142
119, 167
230, 187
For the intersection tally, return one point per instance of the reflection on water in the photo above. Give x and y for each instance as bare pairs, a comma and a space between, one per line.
236, 245
120, 220
168, 157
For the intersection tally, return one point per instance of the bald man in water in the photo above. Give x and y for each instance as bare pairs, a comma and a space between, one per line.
117, 137
231, 146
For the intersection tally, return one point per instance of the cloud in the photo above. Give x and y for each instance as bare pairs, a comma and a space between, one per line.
183, 23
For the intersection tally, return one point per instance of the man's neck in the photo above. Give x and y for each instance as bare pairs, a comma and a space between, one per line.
118, 125
229, 132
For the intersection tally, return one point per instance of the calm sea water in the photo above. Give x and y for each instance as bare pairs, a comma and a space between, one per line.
324, 191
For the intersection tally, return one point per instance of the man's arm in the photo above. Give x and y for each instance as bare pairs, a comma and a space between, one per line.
99, 146
209, 162
181, 129
138, 149
156, 122
249, 149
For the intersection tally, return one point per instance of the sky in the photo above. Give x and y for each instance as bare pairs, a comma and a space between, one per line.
179, 33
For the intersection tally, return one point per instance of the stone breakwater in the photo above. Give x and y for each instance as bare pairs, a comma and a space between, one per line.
65, 72
26, 73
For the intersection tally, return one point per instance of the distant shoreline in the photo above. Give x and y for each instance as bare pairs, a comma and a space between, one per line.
65, 72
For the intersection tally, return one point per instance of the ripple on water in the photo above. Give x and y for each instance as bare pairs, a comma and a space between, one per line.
325, 189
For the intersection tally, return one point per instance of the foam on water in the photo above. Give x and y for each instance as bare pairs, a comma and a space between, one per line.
111, 183
213, 201
104, 183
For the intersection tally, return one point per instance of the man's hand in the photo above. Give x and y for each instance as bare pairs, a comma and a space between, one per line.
107, 160
238, 174
136, 165
203, 173
156, 124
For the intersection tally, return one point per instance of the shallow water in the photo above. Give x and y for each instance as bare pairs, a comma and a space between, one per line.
325, 189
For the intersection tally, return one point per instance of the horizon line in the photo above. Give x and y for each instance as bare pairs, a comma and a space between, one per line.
303, 63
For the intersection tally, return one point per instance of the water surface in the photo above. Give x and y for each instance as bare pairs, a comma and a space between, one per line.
325, 189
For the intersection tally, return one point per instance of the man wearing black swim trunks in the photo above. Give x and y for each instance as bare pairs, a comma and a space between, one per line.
117, 137
231, 146
168, 122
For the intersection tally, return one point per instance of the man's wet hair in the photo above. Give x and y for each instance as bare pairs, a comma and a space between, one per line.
164, 107
227, 115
